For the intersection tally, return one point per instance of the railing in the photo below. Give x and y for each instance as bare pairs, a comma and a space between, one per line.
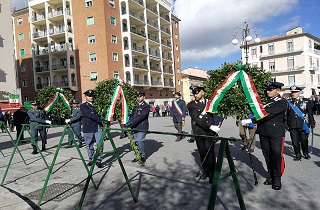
169, 84
154, 54
169, 71
166, 43
138, 32
140, 66
289, 50
44, 51
156, 83
38, 18
41, 85
154, 38
39, 34
139, 2
139, 82
155, 68
294, 68
61, 48
139, 48
135, 15
72, 65
42, 69
167, 57
74, 83
152, 9
123, 10
313, 67
165, 30
60, 83
59, 66
166, 17
56, 30
153, 24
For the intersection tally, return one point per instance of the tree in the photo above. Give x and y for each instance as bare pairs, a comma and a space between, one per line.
45, 95
234, 102
103, 93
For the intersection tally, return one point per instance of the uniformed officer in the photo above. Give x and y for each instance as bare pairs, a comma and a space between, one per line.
203, 124
75, 123
139, 121
91, 126
299, 108
271, 130
178, 113
37, 117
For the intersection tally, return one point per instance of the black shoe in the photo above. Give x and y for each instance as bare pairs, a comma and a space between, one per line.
89, 163
306, 157
297, 159
244, 147
134, 160
210, 181
143, 160
99, 165
190, 140
80, 144
43, 148
276, 186
70, 143
124, 135
268, 181
35, 151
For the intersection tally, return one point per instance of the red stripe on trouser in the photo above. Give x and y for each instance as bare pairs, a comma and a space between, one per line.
282, 158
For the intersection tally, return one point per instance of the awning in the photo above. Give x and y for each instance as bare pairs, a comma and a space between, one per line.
6, 106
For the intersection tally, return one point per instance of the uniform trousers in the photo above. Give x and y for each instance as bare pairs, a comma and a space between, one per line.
204, 145
299, 137
139, 138
178, 126
243, 134
90, 138
272, 149
42, 132
76, 133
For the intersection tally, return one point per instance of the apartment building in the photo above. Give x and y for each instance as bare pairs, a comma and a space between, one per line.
192, 76
8, 82
77, 43
292, 59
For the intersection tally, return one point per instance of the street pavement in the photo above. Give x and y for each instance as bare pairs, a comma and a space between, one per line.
167, 181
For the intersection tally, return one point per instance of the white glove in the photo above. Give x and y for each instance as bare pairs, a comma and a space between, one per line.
67, 121
215, 128
245, 122
48, 122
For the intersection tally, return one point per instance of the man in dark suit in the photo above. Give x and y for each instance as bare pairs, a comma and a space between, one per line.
271, 130
203, 124
37, 117
20, 117
295, 122
139, 121
91, 126
178, 113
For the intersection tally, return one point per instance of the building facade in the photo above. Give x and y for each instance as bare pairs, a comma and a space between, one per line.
192, 76
76, 44
292, 59
8, 77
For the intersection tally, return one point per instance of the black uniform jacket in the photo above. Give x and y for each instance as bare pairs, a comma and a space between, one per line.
200, 125
293, 120
273, 125
90, 118
140, 116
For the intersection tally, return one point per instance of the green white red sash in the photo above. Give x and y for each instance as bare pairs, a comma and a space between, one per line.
118, 91
55, 99
178, 108
249, 90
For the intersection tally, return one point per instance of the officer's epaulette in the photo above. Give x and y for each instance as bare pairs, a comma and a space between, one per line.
277, 98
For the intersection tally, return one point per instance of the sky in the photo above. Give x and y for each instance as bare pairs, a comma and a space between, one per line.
207, 26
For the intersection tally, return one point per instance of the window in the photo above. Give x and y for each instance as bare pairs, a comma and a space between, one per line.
177, 58
177, 47
150, 93
21, 37
92, 57
261, 65
178, 70
311, 77
310, 44
317, 62
23, 67
19, 21
310, 61
271, 49
175, 24
176, 36
254, 52
94, 75
25, 98
24, 83
160, 93
22, 52
88, 3
116, 75
290, 63
290, 46
167, 93
113, 38
111, 3
90, 20
112, 21
115, 56
261, 49
179, 82
91, 39
272, 66
291, 80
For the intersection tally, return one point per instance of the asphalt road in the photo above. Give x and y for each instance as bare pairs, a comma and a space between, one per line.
167, 181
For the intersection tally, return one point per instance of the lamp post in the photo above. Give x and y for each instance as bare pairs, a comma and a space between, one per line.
246, 38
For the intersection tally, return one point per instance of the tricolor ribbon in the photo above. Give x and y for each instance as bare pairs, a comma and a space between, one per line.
118, 91
178, 108
55, 99
249, 90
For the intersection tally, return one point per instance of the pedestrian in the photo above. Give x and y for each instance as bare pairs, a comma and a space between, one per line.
163, 110
153, 109
2, 125
251, 130
139, 121
299, 114
271, 130
75, 124
37, 117
203, 124
157, 111
178, 113
168, 110
92, 126
9, 119
20, 117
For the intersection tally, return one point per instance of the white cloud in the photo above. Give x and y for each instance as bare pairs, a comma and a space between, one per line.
293, 22
206, 26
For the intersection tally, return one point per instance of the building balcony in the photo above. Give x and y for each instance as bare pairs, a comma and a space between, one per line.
136, 16
165, 17
289, 69
139, 2
61, 48
39, 35
169, 58
38, 20
155, 69
283, 52
156, 83
168, 71
61, 83
140, 66
57, 32
39, 69
39, 86
140, 49
153, 38
168, 84
40, 52
138, 32
165, 30
152, 9
313, 68
143, 83
153, 24
57, 67
166, 43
